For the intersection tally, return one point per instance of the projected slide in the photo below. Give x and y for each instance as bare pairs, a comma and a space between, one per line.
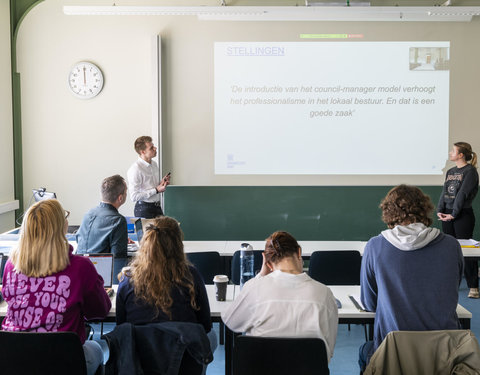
331, 108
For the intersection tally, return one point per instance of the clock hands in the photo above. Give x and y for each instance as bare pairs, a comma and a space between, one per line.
92, 80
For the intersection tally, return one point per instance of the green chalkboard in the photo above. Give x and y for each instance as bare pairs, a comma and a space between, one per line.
329, 213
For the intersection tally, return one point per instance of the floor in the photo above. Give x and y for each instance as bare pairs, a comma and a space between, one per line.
344, 361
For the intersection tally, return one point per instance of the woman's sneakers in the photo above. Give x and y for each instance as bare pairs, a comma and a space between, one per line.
473, 293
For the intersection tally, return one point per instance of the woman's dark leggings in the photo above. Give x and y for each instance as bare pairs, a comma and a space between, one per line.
462, 228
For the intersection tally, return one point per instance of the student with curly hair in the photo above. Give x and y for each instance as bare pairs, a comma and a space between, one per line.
410, 272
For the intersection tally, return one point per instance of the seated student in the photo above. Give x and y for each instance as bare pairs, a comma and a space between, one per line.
160, 285
282, 300
104, 229
43, 266
410, 272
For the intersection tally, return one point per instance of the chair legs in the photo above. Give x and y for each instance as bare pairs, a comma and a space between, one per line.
222, 333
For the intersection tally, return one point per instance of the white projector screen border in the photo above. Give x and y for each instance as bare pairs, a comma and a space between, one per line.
343, 108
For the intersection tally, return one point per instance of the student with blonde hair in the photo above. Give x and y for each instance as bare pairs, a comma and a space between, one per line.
455, 205
57, 290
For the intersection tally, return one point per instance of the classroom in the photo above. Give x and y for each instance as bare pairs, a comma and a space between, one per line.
162, 78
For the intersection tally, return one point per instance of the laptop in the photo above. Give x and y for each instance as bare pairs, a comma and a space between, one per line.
139, 229
104, 265
140, 226
1, 274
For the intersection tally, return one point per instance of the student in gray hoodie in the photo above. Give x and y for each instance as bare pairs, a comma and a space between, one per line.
410, 272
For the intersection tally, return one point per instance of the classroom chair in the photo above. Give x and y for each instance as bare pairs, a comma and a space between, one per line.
51, 353
426, 352
208, 263
335, 267
280, 356
257, 265
158, 348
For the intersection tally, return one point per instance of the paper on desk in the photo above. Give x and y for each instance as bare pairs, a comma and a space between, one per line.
469, 243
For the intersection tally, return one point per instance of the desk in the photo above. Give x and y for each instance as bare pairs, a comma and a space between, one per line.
226, 248
348, 314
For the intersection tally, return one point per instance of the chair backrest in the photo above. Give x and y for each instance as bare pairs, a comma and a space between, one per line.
275, 355
257, 265
158, 348
51, 353
426, 352
208, 263
335, 267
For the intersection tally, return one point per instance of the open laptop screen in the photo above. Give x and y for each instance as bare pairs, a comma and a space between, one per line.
139, 230
1, 267
104, 265
140, 226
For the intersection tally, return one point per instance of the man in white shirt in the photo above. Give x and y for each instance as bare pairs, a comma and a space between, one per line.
144, 181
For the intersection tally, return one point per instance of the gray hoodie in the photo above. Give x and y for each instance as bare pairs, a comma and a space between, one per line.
410, 237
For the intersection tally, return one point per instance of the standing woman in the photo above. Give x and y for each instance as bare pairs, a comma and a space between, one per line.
58, 290
455, 205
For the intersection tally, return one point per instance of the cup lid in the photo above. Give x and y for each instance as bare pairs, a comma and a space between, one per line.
220, 279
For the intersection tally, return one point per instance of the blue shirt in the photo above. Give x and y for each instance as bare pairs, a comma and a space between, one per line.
103, 230
411, 290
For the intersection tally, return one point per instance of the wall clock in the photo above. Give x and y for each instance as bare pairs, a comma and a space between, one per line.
85, 80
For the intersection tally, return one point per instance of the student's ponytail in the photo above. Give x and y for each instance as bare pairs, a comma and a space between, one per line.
474, 159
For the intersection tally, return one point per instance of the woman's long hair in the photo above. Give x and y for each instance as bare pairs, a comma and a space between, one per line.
43, 248
160, 266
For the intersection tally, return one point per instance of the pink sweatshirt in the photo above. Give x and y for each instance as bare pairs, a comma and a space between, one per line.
59, 302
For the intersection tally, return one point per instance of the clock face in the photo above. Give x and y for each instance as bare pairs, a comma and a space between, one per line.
85, 80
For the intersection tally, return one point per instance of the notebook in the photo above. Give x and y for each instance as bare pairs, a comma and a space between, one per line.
104, 265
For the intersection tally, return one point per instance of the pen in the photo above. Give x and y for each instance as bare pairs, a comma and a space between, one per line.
357, 305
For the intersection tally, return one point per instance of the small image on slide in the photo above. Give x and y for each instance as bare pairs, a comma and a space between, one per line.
429, 58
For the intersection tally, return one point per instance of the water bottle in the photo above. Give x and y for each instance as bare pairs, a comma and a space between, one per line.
246, 263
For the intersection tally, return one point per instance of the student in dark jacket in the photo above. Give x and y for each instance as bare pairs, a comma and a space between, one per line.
160, 285
455, 205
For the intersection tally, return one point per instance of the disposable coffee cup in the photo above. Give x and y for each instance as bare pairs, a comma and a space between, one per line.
220, 282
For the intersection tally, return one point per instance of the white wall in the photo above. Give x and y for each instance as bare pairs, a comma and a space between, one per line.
7, 219
69, 144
